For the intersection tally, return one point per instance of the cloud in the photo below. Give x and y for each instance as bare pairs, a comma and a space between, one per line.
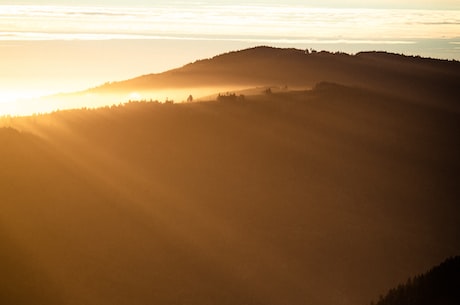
441, 23
293, 23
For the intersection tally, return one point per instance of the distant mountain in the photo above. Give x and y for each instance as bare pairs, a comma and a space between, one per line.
439, 286
414, 77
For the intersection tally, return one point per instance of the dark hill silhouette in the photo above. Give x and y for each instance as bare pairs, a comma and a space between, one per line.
439, 286
303, 197
414, 77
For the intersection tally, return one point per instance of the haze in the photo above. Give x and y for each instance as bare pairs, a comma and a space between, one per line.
225, 152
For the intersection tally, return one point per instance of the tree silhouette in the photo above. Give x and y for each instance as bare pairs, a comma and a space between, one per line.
230, 97
439, 286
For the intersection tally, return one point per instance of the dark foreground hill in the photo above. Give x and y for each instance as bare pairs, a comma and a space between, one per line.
439, 286
409, 77
318, 197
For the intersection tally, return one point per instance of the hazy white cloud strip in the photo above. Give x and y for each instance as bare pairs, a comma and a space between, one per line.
225, 21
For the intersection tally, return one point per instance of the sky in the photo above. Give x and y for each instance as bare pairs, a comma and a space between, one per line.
59, 46
422, 4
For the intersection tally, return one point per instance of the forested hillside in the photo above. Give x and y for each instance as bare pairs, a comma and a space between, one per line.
439, 286
327, 196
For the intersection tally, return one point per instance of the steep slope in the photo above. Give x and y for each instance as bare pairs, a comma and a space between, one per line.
439, 286
309, 197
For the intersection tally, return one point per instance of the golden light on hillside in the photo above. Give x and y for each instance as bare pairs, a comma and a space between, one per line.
225, 152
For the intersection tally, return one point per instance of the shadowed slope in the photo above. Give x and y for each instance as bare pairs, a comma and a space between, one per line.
439, 286
313, 197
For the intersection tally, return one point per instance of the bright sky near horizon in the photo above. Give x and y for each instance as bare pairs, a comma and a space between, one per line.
55, 46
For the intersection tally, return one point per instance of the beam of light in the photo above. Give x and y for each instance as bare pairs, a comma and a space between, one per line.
191, 225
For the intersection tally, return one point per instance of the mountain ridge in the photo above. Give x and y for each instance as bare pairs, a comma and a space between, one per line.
409, 76
433, 82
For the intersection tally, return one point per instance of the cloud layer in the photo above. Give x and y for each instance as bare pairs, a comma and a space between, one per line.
258, 22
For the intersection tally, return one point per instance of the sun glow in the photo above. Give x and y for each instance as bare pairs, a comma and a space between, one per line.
18, 103
29, 103
134, 96
9, 102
